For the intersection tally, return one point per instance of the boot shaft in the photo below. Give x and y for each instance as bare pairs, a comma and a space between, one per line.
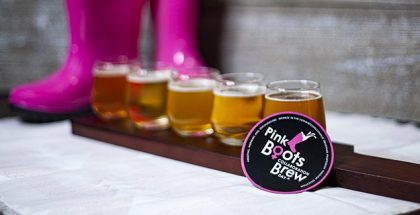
175, 23
105, 28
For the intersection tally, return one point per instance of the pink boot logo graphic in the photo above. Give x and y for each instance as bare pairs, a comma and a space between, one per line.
299, 138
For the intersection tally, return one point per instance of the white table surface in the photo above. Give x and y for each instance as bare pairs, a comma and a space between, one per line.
44, 169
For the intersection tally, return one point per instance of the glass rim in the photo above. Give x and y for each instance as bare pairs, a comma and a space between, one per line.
177, 75
305, 85
124, 65
197, 70
149, 70
148, 75
118, 61
228, 79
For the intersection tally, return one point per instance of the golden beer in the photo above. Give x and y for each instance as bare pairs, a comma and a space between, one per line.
300, 96
108, 96
189, 107
237, 105
146, 99
235, 111
310, 104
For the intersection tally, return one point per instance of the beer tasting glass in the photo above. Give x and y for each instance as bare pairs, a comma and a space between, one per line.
108, 96
146, 97
237, 105
190, 101
300, 96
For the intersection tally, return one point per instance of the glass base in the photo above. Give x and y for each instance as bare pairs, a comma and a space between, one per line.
157, 124
111, 115
191, 133
231, 141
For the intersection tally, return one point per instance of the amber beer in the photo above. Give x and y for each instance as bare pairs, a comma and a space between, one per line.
189, 106
297, 96
146, 98
108, 96
237, 106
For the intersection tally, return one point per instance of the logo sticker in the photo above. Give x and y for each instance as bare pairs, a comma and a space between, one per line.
287, 153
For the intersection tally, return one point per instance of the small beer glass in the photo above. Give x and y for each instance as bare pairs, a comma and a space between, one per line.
147, 91
108, 95
237, 105
190, 101
302, 96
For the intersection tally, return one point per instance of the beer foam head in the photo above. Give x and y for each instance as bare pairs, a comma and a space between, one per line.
293, 96
149, 77
192, 85
243, 90
111, 70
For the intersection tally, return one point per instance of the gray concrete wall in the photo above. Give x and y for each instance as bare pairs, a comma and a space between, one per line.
365, 53
32, 40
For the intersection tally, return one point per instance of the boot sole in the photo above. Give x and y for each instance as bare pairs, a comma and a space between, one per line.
32, 116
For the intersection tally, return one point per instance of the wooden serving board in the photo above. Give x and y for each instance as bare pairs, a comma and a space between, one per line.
354, 171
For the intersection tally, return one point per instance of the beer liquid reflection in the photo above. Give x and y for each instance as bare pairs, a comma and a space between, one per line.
189, 106
108, 97
235, 111
308, 103
146, 100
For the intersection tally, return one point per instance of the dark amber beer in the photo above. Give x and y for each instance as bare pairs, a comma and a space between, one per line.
146, 98
108, 96
237, 106
297, 96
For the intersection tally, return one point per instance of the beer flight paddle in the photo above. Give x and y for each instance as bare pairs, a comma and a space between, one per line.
354, 171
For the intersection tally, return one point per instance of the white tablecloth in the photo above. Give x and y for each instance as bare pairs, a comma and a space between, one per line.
44, 169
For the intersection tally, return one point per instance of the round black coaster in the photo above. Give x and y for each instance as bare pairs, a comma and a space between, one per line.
287, 152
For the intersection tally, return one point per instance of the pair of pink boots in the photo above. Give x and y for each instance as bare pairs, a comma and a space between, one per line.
105, 30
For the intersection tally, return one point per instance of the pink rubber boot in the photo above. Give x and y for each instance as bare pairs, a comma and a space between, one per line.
175, 23
98, 30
